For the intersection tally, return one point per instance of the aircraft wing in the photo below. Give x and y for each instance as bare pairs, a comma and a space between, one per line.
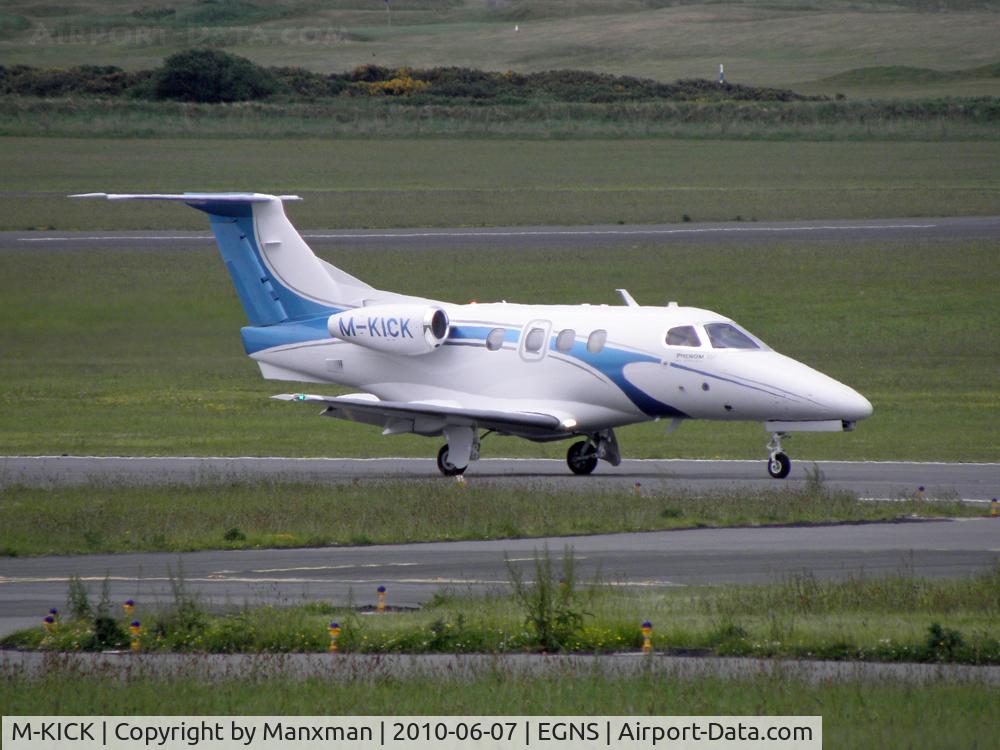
430, 418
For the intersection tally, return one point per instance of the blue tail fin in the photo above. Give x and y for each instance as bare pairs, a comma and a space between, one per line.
277, 277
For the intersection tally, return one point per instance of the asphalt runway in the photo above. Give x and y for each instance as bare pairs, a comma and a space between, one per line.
412, 573
611, 236
876, 480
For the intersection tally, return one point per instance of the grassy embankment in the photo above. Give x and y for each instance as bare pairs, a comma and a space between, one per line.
103, 518
645, 38
898, 618
856, 713
952, 83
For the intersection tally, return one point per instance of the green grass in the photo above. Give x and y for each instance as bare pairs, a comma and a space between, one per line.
948, 119
210, 515
872, 619
855, 713
452, 182
117, 352
779, 43
889, 74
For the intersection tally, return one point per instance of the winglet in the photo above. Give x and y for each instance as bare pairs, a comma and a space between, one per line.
627, 298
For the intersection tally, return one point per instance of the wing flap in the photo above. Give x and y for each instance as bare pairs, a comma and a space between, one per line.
429, 418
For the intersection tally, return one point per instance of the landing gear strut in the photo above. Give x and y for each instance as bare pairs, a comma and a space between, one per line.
582, 457
779, 464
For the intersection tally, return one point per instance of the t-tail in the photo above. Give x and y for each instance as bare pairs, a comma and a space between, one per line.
277, 276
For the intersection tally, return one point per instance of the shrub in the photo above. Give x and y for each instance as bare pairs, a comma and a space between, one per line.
234, 535
209, 75
942, 644
107, 632
78, 599
551, 605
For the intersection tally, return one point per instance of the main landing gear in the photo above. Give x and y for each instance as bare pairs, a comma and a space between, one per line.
779, 464
445, 466
461, 449
582, 457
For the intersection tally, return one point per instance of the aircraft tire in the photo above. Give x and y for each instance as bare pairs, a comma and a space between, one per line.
445, 466
582, 458
779, 466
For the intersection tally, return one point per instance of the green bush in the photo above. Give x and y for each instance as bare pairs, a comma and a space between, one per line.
210, 75
551, 605
942, 644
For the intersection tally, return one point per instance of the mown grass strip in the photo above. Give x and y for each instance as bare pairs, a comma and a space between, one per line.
121, 517
855, 713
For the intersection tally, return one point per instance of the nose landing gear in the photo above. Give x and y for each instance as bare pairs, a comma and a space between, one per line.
582, 457
779, 464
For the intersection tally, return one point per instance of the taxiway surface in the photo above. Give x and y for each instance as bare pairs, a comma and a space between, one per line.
413, 572
882, 480
612, 236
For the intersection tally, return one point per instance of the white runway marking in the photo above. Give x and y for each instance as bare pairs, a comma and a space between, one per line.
116, 238
748, 461
612, 232
333, 567
501, 233
436, 581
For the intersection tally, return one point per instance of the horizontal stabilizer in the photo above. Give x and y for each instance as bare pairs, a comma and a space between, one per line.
191, 197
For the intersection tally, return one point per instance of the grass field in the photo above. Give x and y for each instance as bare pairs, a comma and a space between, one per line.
855, 713
475, 182
211, 515
116, 352
782, 43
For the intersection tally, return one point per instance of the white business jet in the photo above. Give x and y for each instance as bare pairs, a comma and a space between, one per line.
541, 372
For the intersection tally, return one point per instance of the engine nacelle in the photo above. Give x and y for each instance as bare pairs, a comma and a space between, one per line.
396, 329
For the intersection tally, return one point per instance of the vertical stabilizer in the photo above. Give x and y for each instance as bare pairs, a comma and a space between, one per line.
276, 275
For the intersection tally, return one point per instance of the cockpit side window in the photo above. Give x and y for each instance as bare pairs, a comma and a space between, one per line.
728, 336
683, 336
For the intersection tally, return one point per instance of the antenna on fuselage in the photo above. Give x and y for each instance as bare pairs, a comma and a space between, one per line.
627, 298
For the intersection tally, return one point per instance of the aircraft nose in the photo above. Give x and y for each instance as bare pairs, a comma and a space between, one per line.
851, 405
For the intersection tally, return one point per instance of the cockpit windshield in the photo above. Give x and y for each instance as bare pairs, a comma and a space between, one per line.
728, 336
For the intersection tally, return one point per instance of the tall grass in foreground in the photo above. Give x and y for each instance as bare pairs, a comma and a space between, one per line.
856, 713
119, 517
899, 618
